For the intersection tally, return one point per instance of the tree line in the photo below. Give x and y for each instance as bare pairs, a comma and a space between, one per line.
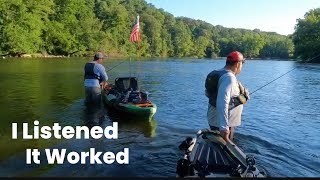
306, 37
76, 27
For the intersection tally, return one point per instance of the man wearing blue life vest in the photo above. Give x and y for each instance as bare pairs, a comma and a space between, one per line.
95, 79
226, 96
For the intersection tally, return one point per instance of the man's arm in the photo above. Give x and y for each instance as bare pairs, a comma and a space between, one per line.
103, 73
103, 76
222, 107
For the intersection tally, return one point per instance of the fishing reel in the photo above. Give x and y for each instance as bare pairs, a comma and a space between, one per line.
242, 98
244, 94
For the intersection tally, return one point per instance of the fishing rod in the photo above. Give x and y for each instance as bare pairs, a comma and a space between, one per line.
311, 59
115, 66
272, 81
282, 75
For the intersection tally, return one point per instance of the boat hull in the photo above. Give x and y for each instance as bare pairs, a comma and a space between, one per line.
143, 111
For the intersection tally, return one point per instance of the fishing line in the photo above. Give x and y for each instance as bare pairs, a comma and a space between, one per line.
272, 81
115, 66
282, 76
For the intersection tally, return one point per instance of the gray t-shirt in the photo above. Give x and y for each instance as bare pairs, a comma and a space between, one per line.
100, 71
221, 116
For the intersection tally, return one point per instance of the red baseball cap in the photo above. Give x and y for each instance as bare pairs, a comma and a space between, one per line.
235, 56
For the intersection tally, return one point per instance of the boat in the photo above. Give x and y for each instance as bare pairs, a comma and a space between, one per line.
125, 98
208, 155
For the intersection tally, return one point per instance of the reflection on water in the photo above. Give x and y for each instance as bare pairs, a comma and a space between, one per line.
147, 128
279, 123
127, 124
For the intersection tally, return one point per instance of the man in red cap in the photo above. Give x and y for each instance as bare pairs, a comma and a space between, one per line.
226, 96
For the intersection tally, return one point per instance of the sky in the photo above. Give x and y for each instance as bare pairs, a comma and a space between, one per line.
267, 15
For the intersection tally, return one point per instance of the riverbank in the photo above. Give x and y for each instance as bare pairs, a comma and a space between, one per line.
118, 56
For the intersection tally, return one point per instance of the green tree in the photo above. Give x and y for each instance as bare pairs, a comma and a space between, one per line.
182, 40
166, 35
252, 44
200, 46
277, 47
22, 24
152, 30
116, 25
73, 28
306, 37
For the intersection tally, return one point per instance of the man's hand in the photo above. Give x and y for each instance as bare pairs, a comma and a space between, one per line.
244, 91
225, 134
105, 85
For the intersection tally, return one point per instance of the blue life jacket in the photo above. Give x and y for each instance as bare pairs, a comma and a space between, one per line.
89, 72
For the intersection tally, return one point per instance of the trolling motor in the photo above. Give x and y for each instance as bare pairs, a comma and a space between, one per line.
184, 166
186, 144
251, 161
251, 171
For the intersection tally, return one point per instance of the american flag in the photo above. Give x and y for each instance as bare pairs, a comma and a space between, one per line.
135, 34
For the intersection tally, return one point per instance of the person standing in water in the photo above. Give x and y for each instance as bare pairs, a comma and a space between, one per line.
95, 80
226, 96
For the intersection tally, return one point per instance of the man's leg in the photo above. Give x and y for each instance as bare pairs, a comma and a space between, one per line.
93, 96
93, 102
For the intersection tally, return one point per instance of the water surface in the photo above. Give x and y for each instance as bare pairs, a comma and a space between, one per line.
280, 124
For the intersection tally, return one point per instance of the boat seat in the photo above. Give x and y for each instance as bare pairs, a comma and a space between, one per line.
124, 84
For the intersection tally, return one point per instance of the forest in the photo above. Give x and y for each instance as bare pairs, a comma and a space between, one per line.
79, 27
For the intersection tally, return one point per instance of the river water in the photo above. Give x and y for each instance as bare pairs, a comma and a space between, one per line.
280, 123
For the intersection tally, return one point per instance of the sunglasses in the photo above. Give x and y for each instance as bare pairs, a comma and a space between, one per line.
243, 61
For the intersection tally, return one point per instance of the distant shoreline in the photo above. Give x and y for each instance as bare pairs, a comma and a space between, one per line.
36, 56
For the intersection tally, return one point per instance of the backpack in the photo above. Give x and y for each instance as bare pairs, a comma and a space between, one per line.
211, 85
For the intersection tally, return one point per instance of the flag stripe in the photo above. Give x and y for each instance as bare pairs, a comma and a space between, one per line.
135, 33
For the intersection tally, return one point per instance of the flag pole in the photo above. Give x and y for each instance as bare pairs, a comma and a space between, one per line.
135, 38
139, 54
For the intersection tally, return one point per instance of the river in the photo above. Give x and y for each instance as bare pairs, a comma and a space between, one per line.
280, 123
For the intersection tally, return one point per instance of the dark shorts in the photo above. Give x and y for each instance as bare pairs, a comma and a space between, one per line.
214, 128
